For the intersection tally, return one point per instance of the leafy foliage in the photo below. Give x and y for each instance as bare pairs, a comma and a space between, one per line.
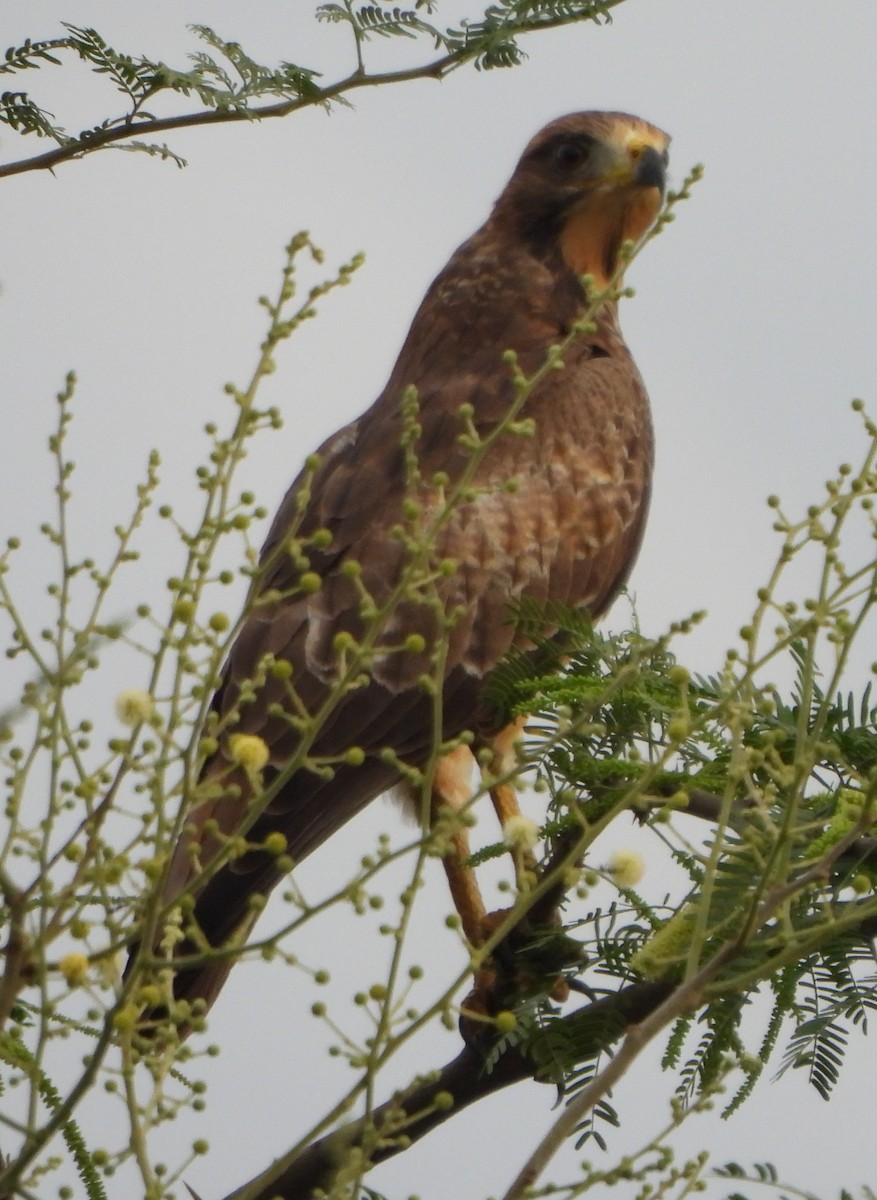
230, 84
766, 1175
835, 998
15, 1054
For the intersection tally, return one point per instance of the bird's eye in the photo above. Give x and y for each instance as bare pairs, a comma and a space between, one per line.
569, 155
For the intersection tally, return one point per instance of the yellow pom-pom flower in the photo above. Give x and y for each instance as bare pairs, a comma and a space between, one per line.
520, 832
134, 706
627, 867
249, 751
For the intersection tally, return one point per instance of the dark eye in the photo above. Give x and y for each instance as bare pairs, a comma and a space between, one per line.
569, 155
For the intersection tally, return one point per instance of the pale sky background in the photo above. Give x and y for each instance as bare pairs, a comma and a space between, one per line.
754, 326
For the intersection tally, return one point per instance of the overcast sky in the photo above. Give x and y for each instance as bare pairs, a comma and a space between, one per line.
754, 326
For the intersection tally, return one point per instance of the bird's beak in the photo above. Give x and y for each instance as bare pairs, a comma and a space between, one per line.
638, 164
649, 169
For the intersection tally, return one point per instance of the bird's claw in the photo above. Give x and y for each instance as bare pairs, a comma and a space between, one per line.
529, 960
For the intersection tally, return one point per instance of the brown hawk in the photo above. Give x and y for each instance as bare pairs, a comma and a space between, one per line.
341, 544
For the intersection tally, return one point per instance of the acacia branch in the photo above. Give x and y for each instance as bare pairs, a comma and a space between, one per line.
136, 127
672, 1004
409, 1116
150, 126
707, 806
14, 952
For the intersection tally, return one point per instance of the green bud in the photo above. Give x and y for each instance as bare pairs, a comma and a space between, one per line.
183, 609
679, 729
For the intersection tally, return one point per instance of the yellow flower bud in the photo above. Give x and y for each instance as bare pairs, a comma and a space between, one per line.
183, 609
505, 1021
679, 729
74, 968
149, 995
125, 1020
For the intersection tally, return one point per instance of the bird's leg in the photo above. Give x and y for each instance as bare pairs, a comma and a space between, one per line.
452, 789
534, 953
534, 958
516, 968
504, 794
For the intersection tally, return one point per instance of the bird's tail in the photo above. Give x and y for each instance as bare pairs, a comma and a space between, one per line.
187, 993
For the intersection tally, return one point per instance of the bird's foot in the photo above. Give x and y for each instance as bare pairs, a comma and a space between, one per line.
529, 960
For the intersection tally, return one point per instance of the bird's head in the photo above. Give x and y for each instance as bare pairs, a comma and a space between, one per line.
585, 184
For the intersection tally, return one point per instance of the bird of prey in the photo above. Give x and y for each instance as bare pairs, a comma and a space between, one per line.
551, 511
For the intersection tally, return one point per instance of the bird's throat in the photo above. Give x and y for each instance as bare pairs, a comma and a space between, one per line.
596, 229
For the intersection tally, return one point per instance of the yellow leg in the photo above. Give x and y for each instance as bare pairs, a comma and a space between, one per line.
495, 980
504, 795
453, 790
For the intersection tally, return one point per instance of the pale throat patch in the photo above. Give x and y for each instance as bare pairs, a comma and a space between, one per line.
616, 211
603, 220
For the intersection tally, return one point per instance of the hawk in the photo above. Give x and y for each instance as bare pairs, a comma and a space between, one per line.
337, 578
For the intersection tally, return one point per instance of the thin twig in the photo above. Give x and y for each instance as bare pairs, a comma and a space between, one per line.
408, 1117
438, 69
